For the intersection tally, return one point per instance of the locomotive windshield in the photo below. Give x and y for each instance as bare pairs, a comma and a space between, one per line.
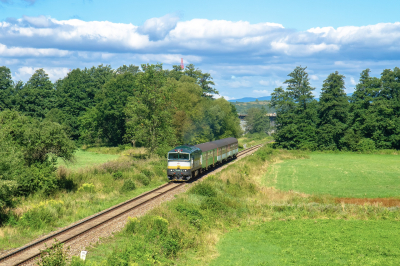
178, 156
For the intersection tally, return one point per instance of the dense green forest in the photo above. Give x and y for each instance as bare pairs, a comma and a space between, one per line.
367, 120
146, 106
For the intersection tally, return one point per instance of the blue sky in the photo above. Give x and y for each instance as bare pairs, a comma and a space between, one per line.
249, 47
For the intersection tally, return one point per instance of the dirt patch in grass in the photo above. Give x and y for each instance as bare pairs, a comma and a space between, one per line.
386, 202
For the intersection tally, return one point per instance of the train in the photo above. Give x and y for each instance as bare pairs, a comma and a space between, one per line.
188, 161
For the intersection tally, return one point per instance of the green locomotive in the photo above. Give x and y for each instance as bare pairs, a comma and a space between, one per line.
187, 161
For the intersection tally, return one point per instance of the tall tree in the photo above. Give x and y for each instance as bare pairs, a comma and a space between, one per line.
362, 118
109, 110
296, 112
257, 120
6, 85
37, 96
333, 112
127, 69
76, 94
149, 116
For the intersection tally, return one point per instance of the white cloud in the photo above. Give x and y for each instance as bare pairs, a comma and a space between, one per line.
158, 28
352, 81
24, 73
264, 92
232, 52
239, 83
225, 97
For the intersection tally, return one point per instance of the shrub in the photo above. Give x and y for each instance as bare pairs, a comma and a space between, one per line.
204, 189
214, 204
54, 256
132, 225
365, 145
117, 175
41, 215
194, 215
142, 178
128, 185
148, 173
265, 152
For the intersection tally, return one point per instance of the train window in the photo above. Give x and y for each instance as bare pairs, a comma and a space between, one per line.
178, 156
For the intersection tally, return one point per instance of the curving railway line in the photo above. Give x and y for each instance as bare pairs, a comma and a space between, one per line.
32, 251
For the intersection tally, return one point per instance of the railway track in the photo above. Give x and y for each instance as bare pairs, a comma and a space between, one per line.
31, 251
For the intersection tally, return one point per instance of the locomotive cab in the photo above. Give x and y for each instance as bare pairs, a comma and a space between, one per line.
181, 162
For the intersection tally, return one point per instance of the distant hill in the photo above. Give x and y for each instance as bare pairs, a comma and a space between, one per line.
265, 98
250, 99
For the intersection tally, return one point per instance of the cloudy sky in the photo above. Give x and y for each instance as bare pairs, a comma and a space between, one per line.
249, 47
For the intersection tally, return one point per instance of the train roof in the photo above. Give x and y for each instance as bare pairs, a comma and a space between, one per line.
185, 149
216, 144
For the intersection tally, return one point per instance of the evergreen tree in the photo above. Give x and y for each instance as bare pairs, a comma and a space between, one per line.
333, 110
296, 112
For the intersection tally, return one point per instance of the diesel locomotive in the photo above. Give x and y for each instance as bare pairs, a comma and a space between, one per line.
187, 161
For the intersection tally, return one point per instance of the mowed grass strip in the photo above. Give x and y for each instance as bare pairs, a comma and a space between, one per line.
86, 158
313, 242
339, 175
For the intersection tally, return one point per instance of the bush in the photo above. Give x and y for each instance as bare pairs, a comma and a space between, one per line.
213, 204
38, 177
365, 145
204, 189
128, 185
142, 178
54, 256
117, 175
148, 173
132, 225
265, 152
41, 215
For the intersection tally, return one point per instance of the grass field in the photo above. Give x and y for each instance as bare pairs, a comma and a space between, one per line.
86, 158
340, 175
313, 242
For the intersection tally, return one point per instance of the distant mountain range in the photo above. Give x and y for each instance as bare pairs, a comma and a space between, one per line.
265, 98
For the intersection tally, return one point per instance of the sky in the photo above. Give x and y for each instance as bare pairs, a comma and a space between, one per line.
248, 47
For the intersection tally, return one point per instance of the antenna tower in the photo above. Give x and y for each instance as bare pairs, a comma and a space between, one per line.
182, 66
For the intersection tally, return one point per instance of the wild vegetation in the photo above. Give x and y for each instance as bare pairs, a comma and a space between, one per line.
368, 120
186, 231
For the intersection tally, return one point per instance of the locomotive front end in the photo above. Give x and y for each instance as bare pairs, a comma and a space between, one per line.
179, 165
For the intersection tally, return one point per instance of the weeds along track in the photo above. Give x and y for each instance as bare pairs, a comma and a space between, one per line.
28, 253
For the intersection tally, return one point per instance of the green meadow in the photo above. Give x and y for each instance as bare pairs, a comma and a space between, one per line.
84, 158
339, 175
313, 242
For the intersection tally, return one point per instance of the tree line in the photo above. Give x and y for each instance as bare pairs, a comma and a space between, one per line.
368, 119
147, 106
